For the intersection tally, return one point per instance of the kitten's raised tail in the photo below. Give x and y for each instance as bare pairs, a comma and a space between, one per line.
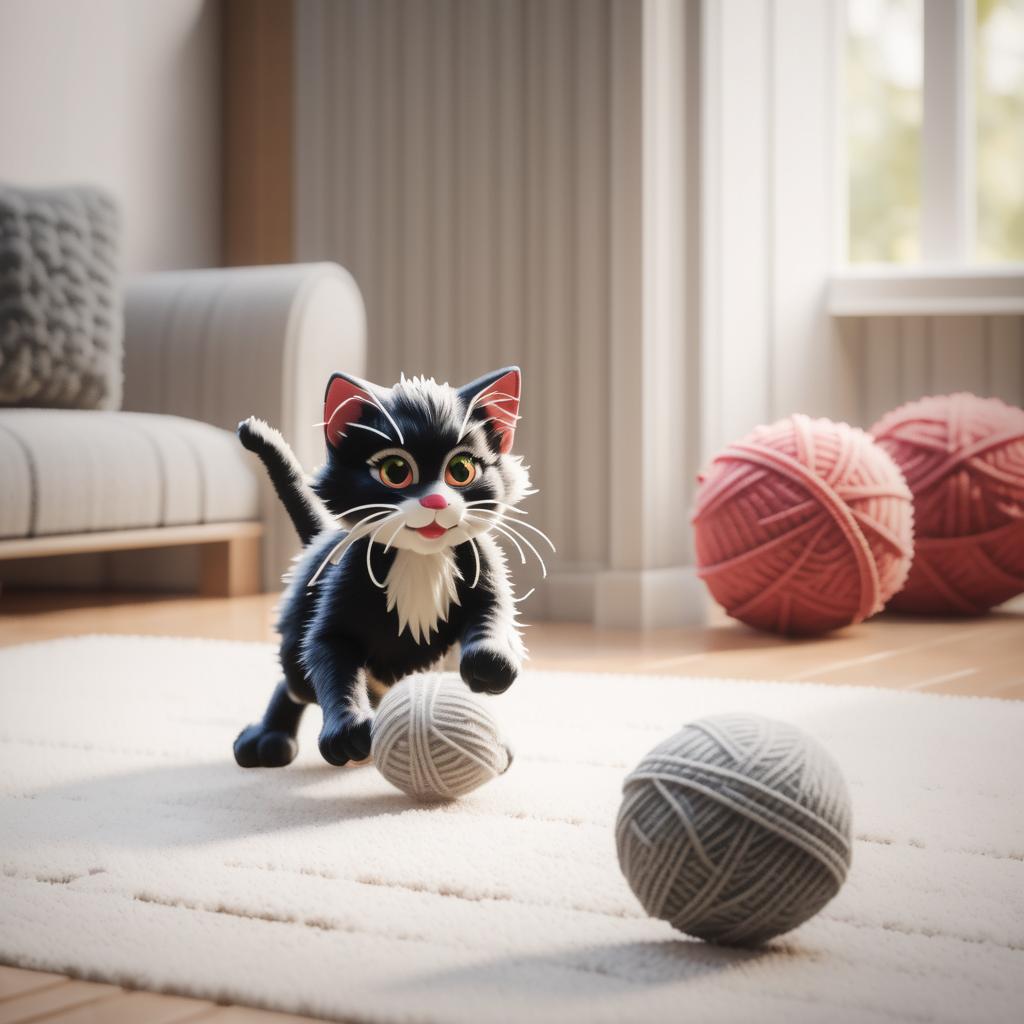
306, 510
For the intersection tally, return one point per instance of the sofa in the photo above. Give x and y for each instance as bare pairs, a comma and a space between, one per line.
202, 350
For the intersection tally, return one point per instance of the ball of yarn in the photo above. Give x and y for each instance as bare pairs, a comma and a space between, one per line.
963, 458
803, 526
735, 830
434, 740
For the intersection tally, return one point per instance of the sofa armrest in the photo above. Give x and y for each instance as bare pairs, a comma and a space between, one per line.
219, 345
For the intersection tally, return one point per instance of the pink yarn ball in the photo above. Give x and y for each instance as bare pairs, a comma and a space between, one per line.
803, 526
963, 457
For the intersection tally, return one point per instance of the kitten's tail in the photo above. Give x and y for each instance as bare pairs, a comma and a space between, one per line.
307, 511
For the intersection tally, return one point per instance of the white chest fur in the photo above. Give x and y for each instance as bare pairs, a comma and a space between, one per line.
421, 588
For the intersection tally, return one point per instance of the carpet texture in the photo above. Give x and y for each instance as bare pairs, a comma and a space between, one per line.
135, 851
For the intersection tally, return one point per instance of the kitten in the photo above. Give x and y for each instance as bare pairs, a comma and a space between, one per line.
420, 477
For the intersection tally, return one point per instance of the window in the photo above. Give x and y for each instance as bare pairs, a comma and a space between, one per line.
935, 130
999, 107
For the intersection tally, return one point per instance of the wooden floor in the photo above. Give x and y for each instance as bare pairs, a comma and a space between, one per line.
983, 656
974, 657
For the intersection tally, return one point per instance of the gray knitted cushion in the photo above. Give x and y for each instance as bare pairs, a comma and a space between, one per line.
60, 306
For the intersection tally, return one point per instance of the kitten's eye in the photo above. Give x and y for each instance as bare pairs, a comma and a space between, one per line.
461, 471
394, 472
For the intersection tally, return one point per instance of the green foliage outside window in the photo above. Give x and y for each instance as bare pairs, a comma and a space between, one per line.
999, 106
883, 129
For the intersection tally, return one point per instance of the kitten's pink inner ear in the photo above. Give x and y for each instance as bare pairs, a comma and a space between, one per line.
342, 406
500, 402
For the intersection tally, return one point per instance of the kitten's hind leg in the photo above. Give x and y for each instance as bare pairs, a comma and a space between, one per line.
271, 743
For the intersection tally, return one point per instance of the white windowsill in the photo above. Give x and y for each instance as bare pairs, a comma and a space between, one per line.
927, 291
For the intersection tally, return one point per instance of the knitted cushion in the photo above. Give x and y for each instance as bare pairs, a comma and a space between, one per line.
60, 307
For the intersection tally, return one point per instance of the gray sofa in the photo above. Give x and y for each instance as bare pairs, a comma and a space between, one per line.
203, 349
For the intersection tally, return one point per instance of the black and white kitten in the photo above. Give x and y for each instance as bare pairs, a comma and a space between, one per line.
401, 561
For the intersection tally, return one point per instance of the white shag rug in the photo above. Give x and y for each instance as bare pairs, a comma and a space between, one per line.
135, 851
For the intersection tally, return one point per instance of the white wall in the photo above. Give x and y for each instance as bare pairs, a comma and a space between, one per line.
124, 94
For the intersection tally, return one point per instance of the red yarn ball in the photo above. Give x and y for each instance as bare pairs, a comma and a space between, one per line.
803, 526
963, 457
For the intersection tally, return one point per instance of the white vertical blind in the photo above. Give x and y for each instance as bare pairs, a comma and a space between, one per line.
457, 157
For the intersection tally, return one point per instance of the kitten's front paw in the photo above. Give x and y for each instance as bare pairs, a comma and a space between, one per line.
344, 739
260, 747
486, 668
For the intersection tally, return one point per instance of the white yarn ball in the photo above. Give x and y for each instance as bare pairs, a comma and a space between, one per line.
434, 740
735, 830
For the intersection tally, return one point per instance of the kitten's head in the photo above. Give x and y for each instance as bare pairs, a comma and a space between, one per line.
422, 465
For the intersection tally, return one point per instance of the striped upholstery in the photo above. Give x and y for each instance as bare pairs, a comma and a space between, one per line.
70, 471
220, 345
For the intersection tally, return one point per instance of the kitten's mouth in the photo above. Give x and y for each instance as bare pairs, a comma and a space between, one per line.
432, 531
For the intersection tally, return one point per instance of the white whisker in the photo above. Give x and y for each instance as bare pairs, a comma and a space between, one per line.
506, 529
494, 501
500, 422
518, 600
359, 508
391, 420
359, 530
323, 564
502, 395
340, 406
519, 522
465, 421
387, 546
493, 398
492, 525
364, 398
513, 535
505, 507
476, 400
476, 555
369, 549
380, 433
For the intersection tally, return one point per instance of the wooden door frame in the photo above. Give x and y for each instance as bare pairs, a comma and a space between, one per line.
257, 61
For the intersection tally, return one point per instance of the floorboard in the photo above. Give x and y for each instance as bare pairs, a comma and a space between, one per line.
135, 1008
45, 1003
16, 982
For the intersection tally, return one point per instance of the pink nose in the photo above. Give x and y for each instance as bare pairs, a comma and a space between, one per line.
433, 501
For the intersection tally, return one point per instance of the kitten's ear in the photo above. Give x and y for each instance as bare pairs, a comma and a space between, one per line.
495, 396
343, 404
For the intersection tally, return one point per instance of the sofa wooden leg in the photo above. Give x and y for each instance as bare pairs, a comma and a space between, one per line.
230, 568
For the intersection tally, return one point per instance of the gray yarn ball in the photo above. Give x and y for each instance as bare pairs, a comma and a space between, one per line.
434, 740
735, 830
